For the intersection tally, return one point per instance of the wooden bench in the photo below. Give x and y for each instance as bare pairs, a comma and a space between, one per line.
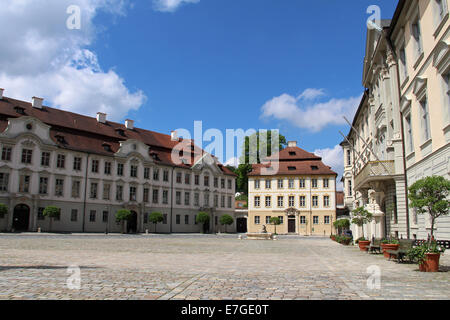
375, 246
400, 253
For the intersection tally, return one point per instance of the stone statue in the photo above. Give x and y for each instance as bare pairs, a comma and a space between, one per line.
264, 230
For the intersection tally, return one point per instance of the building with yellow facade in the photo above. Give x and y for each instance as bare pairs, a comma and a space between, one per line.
298, 188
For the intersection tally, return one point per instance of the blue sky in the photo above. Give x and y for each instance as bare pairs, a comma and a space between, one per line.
232, 64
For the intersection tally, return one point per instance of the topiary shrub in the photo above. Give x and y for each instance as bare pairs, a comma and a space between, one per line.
51, 212
203, 219
226, 220
123, 215
155, 218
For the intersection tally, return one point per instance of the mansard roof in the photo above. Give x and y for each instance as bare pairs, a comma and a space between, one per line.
86, 134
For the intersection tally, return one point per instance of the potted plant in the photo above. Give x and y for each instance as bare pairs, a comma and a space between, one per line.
360, 217
432, 255
389, 244
417, 254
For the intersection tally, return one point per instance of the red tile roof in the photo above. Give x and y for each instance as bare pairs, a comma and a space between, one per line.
86, 134
293, 161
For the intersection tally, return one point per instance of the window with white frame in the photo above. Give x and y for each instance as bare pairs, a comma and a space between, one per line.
280, 183
349, 188
268, 219
94, 187
302, 201
59, 187
302, 220
268, 184
132, 193
314, 183
302, 183
268, 201
349, 159
257, 184
257, 221
76, 188
291, 183
43, 185
440, 10
409, 134
291, 201
326, 183
280, 201
4, 181
155, 196
403, 65
257, 201
315, 219
417, 36
446, 104
315, 201
326, 219
326, 201
425, 119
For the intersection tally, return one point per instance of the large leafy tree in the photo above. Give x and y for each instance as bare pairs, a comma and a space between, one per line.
430, 195
360, 217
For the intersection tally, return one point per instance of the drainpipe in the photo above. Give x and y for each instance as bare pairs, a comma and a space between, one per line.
85, 191
171, 199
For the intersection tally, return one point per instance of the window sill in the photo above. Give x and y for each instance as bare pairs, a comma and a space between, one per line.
440, 26
425, 144
419, 60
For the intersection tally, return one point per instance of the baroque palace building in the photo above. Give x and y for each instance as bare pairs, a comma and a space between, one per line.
298, 188
90, 168
401, 131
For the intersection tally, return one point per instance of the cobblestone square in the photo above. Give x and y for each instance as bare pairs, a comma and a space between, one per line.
34, 266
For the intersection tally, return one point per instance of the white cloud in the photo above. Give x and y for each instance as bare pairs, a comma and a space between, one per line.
302, 113
170, 5
233, 162
333, 157
40, 56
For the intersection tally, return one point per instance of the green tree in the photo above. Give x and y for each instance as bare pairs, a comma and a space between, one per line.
360, 217
51, 212
341, 225
275, 221
155, 218
226, 220
123, 215
203, 219
3, 210
430, 195
254, 146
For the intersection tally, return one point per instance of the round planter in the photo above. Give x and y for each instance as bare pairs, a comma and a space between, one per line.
432, 262
364, 245
388, 246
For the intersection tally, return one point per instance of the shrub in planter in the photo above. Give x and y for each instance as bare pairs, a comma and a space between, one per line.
432, 255
363, 243
389, 244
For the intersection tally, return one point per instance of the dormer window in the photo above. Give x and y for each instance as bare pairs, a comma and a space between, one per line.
60, 138
19, 110
292, 168
314, 168
107, 147
292, 153
120, 132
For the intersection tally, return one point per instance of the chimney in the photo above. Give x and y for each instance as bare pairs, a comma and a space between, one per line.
292, 144
173, 136
129, 124
101, 117
1, 93
37, 102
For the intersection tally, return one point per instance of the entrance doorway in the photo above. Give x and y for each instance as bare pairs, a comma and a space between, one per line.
132, 223
291, 225
241, 225
21, 217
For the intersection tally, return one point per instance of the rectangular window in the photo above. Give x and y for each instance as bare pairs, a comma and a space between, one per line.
268, 201
196, 199
43, 185
216, 201
94, 187
106, 191
165, 197
349, 159
229, 202
256, 184
280, 183
155, 196
146, 173
315, 219
216, 182
120, 169
281, 219
165, 176
302, 220
268, 184
257, 201
349, 184
94, 167
196, 179
107, 168
178, 177
257, 221
119, 193
230, 185
315, 201
40, 215
76, 188
4, 181
280, 201
59, 187
132, 193
133, 171
291, 201
177, 219
425, 120
206, 199
222, 183
403, 65
416, 32
268, 219
145, 218
27, 155
77, 164
60, 161
302, 201
45, 159
291, 183
187, 198
146, 195
441, 9
326, 183
302, 183
178, 198
206, 181
326, 219
6, 153
222, 201
326, 201
74, 215
187, 178
314, 183
186, 219
92, 215
156, 174
105, 216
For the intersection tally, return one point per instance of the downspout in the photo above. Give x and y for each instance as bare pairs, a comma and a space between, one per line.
85, 192
403, 144
171, 199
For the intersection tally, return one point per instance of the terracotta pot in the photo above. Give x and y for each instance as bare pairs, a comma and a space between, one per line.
432, 262
388, 246
364, 245
422, 267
